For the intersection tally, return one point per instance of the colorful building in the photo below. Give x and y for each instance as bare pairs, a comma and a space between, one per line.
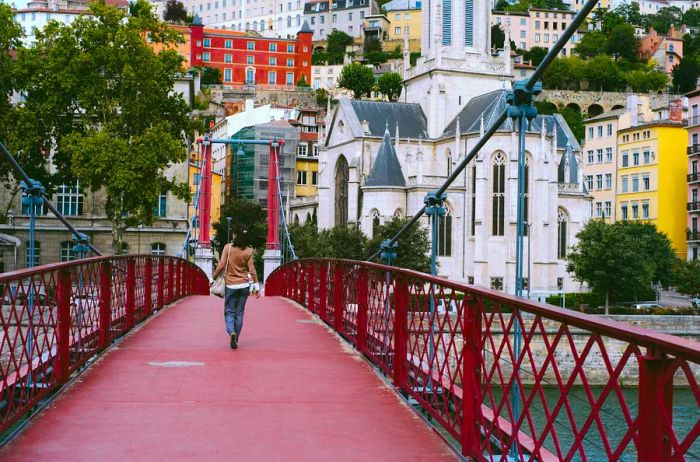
247, 58
405, 18
216, 184
651, 170
306, 162
693, 207
665, 50
600, 160
537, 27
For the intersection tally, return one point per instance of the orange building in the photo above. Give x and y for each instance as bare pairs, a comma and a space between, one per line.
666, 50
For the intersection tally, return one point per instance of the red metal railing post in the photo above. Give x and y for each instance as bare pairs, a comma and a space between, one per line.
148, 287
471, 376
310, 289
338, 302
655, 407
62, 364
400, 331
105, 300
362, 302
171, 280
176, 286
323, 288
130, 292
161, 284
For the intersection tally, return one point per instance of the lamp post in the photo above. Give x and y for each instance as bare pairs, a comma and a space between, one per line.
228, 222
140, 227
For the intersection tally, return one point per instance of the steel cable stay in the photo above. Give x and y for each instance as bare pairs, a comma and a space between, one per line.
195, 203
283, 215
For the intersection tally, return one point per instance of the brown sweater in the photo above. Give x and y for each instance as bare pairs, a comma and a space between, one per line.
240, 263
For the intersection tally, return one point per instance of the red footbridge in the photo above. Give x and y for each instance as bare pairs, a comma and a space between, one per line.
126, 358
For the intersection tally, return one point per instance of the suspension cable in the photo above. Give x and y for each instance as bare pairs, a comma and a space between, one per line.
287, 239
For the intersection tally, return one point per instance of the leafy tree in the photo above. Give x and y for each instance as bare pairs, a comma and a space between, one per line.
305, 239
646, 81
563, 73
376, 57
665, 18
319, 58
211, 76
574, 119
603, 74
414, 57
501, 5
390, 85
592, 44
691, 17
302, 82
337, 42
413, 251
357, 78
630, 13
346, 242
535, 55
688, 277
248, 224
175, 11
685, 74
112, 114
322, 97
520, 6
622, 43
372, 44
621, 258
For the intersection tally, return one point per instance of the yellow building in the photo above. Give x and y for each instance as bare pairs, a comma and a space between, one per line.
216, 185
404, 16
651, 175
307, 177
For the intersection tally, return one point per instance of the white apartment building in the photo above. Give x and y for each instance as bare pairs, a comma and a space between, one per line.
538, 27
270, 18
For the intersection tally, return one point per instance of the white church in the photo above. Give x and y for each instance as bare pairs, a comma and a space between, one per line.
379, 160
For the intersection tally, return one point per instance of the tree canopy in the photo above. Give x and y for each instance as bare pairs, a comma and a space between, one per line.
621, 259
685, 74
688, 277
390, 85
104, 100
337, 41
175, 12
357, 78
248, 224
413, 250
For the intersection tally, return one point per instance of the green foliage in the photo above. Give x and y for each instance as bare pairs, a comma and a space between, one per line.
211, 76
592, 44
248, 224
691, 17
574, 119
413, 251
372, 44
629, 13
622, 43
563, 73
302, 82
414, 57
621, 258
376, 57
357, 78
688, 277
390, 85
535, 55
663, 19
644, 82
322, 97
686, 73
319, 58
603, 74
337, 42
105, 98
501, 5
175, 12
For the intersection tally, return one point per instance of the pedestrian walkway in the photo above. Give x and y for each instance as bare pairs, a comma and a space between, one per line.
174, 390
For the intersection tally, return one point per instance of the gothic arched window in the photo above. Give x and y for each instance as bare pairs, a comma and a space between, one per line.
375, 222
449, 162
562, 233
444, 245
498, 195
342, 176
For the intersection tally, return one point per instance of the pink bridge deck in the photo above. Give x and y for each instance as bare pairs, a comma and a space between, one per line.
174, 390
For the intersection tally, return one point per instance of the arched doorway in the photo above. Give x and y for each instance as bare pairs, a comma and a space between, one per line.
575, 107
342, 176
617, 106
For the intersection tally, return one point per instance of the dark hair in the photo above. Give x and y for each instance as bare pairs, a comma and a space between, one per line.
240, 239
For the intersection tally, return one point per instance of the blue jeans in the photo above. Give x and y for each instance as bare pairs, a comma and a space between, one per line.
234, 306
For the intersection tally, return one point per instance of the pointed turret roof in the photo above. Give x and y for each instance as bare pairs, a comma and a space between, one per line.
305, 28
386, 170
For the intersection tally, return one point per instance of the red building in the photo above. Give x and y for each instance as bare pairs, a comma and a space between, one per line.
248, 58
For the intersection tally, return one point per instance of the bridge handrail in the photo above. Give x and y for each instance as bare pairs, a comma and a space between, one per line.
56, 317
385, 313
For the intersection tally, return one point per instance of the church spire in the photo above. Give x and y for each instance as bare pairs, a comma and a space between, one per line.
387, 169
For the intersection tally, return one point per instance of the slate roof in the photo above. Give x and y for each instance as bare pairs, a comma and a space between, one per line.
386, 170
305, 27
492, 104
568, 160
410, 117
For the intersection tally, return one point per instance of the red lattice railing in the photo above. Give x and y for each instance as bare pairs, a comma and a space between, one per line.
583, 388
54, 318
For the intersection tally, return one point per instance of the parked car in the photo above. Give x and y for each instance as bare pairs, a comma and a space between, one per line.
646, 306
695, 301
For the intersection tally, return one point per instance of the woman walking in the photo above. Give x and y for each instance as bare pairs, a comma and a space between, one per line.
237, 262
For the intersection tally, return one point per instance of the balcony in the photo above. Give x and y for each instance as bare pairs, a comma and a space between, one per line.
693, 149
693, 236
694, 206
692, 121
693, 177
